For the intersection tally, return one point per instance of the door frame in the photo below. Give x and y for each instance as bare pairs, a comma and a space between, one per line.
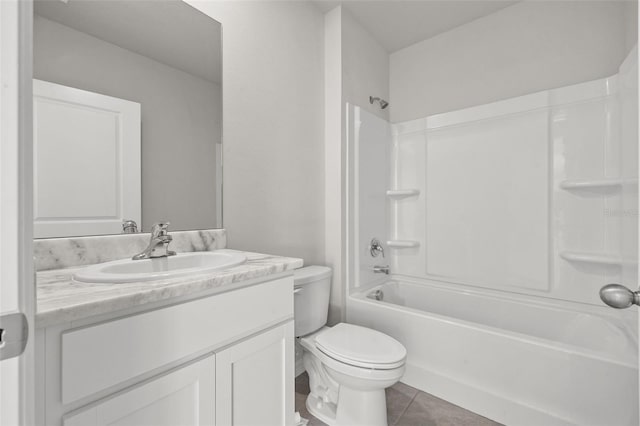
16, 198
638, 215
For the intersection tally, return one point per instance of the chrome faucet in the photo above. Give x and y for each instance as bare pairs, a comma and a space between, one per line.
381, 269
159, 244
129, 227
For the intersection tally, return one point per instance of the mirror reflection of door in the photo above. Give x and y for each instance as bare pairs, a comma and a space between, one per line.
90, 175
87, 161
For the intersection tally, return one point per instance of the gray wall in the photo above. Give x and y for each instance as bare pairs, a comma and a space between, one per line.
181, 118
365, 67
273, 126
524, 48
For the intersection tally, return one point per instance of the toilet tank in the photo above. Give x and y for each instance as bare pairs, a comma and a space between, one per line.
312, 285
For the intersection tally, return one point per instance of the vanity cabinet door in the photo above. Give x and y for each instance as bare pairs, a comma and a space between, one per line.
255, 380
185, 396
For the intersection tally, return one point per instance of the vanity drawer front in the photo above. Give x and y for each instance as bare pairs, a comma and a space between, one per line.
101, 356
181, 397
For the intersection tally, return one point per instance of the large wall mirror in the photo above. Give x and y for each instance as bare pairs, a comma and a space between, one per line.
127, 117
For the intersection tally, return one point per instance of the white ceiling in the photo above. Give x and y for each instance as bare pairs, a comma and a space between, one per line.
170, 32
396, 24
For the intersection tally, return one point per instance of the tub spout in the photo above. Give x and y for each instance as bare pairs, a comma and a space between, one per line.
381, 269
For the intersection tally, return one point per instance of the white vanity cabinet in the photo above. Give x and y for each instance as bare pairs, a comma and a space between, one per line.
181, 397
225, 359
257, 372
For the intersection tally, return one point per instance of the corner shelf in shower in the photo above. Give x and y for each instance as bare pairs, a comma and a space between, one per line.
596, 258
402, 193
596, 183
403, 244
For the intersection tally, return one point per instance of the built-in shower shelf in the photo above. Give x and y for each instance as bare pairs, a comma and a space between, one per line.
403, 243
597, 258
596, 183
402, 193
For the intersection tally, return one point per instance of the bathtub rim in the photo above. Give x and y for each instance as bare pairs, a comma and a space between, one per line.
628, 318
570, 349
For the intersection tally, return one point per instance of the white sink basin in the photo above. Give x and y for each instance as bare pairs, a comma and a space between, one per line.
180, 265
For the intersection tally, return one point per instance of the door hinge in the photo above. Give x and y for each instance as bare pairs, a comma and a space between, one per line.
14, 333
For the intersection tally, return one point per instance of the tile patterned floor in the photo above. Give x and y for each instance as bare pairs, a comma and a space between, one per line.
406, 406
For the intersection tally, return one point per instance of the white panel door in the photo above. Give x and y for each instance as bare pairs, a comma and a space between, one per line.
255, 378
182, 397
86, 160
16, 276
625, 215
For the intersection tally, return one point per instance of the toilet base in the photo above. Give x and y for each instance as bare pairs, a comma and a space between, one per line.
358, 408
324, 411
354, 408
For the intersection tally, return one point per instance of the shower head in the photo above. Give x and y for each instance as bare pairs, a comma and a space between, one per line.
383, 104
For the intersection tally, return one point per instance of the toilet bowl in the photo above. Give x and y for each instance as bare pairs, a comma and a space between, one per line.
349, 366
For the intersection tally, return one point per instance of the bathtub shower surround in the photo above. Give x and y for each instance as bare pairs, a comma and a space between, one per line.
517, 195
58, 253
502, 222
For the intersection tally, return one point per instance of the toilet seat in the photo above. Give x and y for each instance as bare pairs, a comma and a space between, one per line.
361, 347
370, 374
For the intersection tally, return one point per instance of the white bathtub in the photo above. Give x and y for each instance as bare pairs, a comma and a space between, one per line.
516, 360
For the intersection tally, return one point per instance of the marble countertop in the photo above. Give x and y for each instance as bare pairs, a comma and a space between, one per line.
60, 299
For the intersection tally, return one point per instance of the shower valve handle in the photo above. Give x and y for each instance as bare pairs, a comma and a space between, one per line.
375, 248
618, 296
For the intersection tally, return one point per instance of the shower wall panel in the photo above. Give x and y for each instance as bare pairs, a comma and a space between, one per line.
486, 201
371, 136
532, 195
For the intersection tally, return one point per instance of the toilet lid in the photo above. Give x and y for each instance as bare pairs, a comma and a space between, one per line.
361, 346
310, 274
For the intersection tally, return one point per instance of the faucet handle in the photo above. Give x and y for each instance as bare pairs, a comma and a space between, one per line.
129, 226
375, 248
159, 229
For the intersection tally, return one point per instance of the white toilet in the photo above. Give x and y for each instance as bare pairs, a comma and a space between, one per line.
349, 366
